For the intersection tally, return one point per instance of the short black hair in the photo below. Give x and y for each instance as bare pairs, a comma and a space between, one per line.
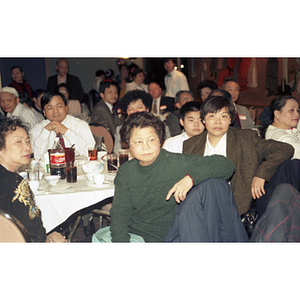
220, 92
188, 107
133, 96
61, 85
16, 67
8, 125
137, 71
206, 83
24, 98
49, 95
39, 92
228, 79
99, 73
215, 104
122, 65
167, 59
142, 120
106, 83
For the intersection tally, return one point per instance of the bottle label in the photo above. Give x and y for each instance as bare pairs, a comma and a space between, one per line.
57, 159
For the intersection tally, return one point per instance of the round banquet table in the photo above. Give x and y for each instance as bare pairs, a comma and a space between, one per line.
64, 199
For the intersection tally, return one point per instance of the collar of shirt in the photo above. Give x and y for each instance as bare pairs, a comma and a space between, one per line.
157, 102
16, 110
235, 107
61, 79
184, 136
220, 149
109, 106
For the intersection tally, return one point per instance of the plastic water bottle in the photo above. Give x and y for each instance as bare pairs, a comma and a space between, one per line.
58, 159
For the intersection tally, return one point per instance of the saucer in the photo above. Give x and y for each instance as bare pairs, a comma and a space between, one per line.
92, 184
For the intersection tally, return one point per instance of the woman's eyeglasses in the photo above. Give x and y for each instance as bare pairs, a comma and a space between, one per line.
138, 144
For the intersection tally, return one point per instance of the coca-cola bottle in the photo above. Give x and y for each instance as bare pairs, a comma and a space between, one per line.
57, 159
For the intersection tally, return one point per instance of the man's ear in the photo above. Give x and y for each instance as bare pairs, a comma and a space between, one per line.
18, 100
101, 95
177, 105
181, 122
56, 68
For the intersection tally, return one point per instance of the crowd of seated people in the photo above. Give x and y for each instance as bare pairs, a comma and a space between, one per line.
134, 113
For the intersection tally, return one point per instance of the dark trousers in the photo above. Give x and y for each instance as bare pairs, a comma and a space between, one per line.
281, 221
208, 214
287, 172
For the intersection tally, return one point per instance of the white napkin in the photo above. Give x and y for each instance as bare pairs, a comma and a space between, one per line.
62, 188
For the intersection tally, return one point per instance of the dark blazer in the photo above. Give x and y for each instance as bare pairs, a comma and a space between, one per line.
102, 116
251, 156
173, 123
169, 102
73, 84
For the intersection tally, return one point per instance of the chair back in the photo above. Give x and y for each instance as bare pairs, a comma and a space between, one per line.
101, 131
11, 230
94, 98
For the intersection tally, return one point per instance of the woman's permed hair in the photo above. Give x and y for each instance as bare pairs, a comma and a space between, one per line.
8, 125
133, 96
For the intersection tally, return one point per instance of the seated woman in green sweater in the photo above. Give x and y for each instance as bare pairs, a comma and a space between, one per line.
149, 190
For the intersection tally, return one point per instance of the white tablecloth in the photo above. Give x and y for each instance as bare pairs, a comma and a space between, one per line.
65, 199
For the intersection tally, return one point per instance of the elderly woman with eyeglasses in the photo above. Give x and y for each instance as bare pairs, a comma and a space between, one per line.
16, 197
150, 188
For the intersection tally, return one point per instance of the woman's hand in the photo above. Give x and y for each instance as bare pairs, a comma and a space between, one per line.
180, 189
257, 187
55, 237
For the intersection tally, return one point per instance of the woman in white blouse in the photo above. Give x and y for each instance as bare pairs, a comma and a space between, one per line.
138, 81
285, 114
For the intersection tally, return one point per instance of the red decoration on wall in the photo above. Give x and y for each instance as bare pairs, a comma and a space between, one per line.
243, 68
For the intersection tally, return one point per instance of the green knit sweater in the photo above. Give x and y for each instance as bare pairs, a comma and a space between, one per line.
140, 205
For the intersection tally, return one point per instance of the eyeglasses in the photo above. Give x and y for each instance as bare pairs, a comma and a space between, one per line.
50, 107
138, 144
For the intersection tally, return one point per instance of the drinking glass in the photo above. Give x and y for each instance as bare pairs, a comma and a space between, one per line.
112, 162
93, 154
123, 156
71, 172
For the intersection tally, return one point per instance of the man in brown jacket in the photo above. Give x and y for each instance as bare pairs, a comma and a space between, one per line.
254, 158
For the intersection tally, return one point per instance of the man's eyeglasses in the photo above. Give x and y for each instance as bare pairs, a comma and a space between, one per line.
50, 107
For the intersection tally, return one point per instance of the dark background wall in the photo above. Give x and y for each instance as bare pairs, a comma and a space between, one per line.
34, 69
